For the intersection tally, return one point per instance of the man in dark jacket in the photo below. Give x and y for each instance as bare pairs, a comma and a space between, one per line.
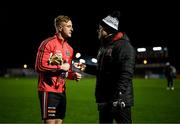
115, 70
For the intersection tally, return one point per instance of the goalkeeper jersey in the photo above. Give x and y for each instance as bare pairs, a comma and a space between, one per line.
50, 77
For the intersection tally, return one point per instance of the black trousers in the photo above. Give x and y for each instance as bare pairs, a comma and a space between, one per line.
108, 114
170, 82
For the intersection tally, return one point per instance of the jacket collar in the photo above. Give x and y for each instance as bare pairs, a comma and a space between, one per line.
112, 38
117, 36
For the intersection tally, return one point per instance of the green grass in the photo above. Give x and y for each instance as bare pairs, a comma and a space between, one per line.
153, 103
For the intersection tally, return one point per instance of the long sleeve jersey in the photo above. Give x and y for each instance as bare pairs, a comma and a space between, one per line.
51, 78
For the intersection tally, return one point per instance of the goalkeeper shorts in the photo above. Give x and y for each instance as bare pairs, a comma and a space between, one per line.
53, 105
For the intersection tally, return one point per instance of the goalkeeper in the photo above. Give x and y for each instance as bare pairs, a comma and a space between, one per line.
53, 64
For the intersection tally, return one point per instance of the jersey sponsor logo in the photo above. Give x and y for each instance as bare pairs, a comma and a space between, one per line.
51, 107
51, 114
51, 111
58, 51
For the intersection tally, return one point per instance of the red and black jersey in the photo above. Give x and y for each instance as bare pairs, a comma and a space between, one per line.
50, 76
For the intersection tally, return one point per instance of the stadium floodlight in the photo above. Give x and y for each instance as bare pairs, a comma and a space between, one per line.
94, 60
145, 62
78, 55
25, 66
141, 49
82, 61
157, 48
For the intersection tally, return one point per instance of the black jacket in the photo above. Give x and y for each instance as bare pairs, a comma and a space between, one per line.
116, 62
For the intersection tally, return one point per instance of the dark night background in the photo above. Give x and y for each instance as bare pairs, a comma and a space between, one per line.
26, 24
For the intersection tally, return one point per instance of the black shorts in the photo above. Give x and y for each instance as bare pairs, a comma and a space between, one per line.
53, 105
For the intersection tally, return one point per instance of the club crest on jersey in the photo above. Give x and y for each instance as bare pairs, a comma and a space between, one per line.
67, 53
58, 51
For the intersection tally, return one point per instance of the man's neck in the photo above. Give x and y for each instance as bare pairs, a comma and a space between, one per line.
60, 37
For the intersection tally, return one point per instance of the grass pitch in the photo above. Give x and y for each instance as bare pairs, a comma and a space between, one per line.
153, 103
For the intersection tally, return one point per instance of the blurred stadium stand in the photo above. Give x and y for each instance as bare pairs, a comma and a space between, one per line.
150, 63
24, 72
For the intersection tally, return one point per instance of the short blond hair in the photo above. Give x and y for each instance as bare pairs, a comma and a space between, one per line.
59, 19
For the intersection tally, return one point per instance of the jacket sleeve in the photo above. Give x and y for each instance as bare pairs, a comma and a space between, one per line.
42, 58
71, 73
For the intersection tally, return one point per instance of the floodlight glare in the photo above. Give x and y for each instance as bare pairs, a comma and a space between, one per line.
141, 49
78, 55
145, 61
82, 61
94, 60
165, 49
25, 65
157, 48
